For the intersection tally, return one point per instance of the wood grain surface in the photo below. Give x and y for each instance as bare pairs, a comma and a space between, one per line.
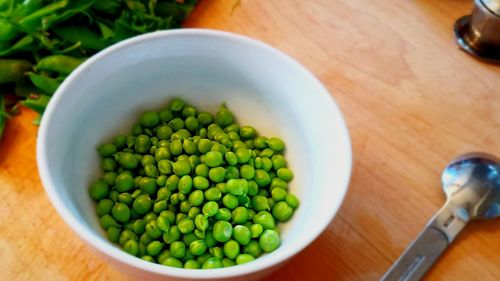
411, 99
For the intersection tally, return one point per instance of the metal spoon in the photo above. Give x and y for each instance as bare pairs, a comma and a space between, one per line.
472, 186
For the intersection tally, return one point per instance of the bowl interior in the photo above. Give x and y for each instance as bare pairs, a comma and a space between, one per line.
263, 87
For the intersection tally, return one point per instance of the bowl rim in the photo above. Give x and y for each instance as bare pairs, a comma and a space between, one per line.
111, 251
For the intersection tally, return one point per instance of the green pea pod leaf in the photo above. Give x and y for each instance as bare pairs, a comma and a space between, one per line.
7, 30
13, 70
106, 31
73, 8
46, 84
107, 6
37, 104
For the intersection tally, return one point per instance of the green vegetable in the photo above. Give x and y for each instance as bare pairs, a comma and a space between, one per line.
179, 198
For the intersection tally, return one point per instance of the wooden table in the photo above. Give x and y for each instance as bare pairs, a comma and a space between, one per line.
412, 102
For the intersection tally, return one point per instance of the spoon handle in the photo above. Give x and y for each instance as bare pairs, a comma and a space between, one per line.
426, 249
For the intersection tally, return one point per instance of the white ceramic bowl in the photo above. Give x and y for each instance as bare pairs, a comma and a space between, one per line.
264, 87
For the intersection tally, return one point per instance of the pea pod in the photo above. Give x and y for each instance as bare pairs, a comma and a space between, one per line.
7, 31
87, 38
13, 70
33, 21
46, 84
24, 44
59, 63
74, 7
37, 104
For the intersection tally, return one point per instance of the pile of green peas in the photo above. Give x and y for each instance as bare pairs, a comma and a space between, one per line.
191, 190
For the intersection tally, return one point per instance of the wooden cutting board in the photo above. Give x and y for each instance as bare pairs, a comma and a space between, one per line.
411, 100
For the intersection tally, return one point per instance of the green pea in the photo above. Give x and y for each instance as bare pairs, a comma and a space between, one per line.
148, 185
241, 234
172, 235
176, 105
222, 186
258, 163
162, 153
213, 159
260, 142
107, 149
139, 226
217, 174
149, 119
271, 202
131, 247
98, 190
244, 258
224, 117
148, 258
172, 182
163, 194
136, 129
265, 219
201, 222
127, 235
176, 124
231, 249
108, 164
253, 188
153, 230
202, 170
149, 217
189, 238
239, 215
261, 178
186, 225
192, 264
181, 168
222, 231
189, 147
191, 123
104, 207
204, 146
120, 141
269, 240
223, 214
125, 198
154, 248
193, 211
200, 182
253, 249
202, 132
213, 194
278, 183
231, 158
212, 263
185, 184
237, 187
247, 172
209, 239
232, 128
205, 118
228, 262
169, 215
166, 115
285, 174
279, 161
113, 233
142, 144
185, 206
173, 262
113, 195
282, 212
109, 178
292, 201
196, 197
177, 249
128, 161
210, 208
197, 247
163, 223
163, 256
230, 201
267, 164
248, 132
278, 194
233, 136
164, 132
121, 212
232, 173
188, 111
243, 155
175, 147
256, 230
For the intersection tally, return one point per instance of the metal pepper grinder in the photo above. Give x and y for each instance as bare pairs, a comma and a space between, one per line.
479, 33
